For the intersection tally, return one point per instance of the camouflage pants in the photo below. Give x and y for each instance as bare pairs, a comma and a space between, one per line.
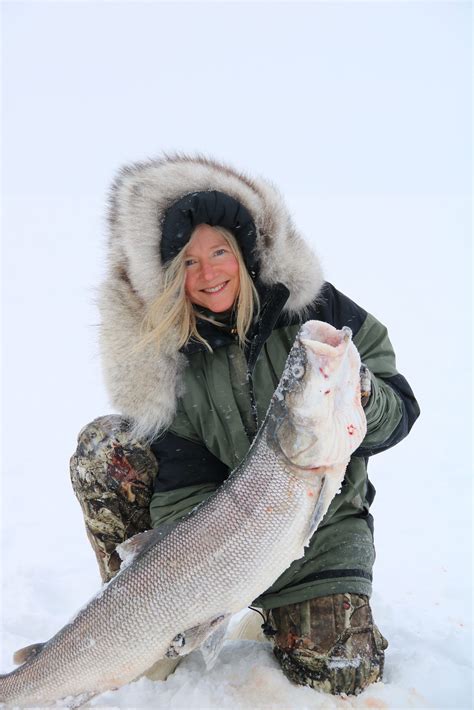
112, 476
330, 643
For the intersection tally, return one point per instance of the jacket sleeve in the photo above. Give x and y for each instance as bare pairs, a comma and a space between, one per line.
392, 408
187, 474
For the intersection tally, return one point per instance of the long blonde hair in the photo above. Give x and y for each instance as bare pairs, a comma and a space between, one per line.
172, 312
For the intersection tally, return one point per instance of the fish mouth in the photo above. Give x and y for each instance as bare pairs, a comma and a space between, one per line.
322, 339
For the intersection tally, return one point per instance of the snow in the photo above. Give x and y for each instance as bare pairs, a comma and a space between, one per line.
361, 116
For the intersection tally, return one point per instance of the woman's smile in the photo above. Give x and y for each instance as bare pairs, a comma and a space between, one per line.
216, 289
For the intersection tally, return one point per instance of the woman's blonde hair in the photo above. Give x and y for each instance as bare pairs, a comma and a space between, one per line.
172, 312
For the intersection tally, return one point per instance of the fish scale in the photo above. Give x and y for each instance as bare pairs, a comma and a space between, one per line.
210, 565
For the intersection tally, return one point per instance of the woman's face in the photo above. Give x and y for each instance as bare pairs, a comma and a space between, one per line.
212, 271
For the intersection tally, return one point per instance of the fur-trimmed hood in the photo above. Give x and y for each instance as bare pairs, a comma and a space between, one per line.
142, 384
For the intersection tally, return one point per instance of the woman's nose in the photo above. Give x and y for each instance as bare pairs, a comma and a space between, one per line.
208, 272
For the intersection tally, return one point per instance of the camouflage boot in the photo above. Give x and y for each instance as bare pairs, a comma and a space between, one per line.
112, 476
329, 643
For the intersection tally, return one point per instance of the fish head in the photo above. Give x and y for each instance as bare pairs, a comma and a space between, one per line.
316, 415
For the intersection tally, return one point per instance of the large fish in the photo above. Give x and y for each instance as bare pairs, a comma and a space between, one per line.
179, 586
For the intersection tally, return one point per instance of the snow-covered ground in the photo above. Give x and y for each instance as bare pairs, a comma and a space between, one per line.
369, 143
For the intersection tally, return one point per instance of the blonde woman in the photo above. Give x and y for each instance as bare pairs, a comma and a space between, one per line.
208, 282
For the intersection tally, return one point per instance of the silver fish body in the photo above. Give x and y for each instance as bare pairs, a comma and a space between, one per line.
179, 590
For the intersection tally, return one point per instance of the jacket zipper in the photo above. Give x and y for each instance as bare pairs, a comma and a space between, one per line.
253, 405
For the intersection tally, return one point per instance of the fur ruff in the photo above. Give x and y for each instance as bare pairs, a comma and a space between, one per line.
144, 385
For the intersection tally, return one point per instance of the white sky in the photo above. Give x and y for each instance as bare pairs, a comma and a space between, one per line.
325, 98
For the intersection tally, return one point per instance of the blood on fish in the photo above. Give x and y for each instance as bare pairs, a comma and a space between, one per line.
351, 429
327, 392
324, 374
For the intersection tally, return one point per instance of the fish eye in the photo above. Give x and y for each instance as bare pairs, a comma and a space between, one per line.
297, 371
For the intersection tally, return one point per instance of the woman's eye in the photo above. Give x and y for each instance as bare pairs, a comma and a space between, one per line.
188, 262
219, 252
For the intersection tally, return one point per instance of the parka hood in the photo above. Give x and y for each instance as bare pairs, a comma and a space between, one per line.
149, 199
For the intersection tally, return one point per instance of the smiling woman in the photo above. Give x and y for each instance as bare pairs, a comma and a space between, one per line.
208, 261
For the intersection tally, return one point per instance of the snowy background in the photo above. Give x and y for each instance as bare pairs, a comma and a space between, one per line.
360, 113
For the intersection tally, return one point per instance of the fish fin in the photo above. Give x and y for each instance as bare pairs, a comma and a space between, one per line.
163, 668
129, 549
248, 628
24, 654
211, 647
186, 641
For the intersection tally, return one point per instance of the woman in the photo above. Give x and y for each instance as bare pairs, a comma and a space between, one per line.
208, 282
